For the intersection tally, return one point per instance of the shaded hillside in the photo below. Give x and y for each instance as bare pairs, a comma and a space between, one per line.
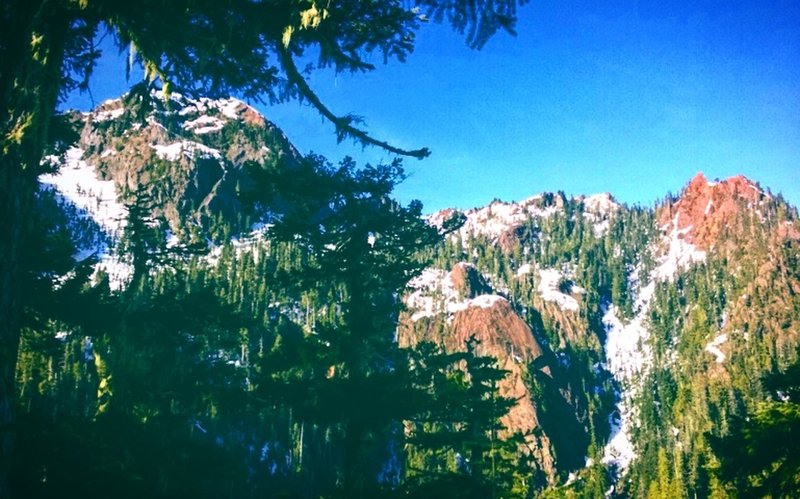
190, 159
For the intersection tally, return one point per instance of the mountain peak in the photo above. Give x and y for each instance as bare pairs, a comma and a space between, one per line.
705, 208
737, 186
192, 155
699, 181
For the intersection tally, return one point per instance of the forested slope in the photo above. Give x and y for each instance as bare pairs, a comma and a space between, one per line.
215, 315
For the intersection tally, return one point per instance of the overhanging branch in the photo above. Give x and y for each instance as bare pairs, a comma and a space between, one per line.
343, 124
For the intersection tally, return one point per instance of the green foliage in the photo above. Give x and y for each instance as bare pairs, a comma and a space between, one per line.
456, 438
270, 369
758, 456
695, 399
275, 367
208, 48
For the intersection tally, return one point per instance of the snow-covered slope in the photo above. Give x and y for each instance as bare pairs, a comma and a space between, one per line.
79, 184
549, 281
628, 354
500, 218
174, 156
599, 209
679, 253
434, 292
628, 358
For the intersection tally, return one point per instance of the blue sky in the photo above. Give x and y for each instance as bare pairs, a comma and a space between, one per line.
631, 98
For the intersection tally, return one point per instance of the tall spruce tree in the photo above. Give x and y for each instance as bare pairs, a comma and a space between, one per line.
459, 446
121, 389
47, 49
350, 375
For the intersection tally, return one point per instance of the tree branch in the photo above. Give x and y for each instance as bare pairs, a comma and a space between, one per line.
343, 125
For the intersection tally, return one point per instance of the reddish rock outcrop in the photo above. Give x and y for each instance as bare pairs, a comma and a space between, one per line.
705, 209
505, 336
501, 332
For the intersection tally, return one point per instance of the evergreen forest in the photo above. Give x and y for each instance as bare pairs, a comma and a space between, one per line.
191, 307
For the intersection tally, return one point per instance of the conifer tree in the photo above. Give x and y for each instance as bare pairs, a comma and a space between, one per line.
348, 375
47, 49
459, 447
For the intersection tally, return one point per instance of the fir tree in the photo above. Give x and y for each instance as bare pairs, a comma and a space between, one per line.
48, 49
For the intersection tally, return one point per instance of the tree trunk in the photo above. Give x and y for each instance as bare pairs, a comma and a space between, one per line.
31, 57
353, 477
14, 204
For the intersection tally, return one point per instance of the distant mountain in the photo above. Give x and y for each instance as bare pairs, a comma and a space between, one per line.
631, 334
186, 160
611, 293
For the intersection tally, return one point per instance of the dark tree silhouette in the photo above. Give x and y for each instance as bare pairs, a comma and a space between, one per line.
47, 49
758, 456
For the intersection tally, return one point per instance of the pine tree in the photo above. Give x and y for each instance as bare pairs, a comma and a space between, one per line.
49, 50
347, 374
142, 371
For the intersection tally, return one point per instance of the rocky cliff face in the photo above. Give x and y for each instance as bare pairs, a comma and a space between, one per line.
705, 211
565, 269
187, 164
188, 157
453, 308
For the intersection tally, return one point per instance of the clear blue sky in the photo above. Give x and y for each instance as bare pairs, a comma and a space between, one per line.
632, 98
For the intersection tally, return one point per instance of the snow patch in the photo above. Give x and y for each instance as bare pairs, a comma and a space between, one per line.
204, 124
119, 272
629, 359
230, 108
600, 204
628, 355
680, 253
548, 287
619, 450
434, 293
498, 217
111, 114
524, 269
485, 301
599, 208
713, 348
188, 148
600, 229
79, 183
